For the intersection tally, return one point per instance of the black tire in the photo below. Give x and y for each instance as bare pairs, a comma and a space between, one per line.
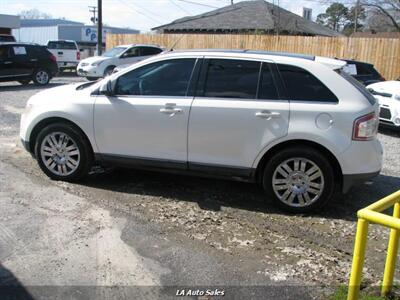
108, 71
41, 77
91, 78
83, 145
24, 81
308, 154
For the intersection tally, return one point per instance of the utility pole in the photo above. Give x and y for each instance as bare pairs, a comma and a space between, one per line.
231, 2
93, 9
99, 27
356, 15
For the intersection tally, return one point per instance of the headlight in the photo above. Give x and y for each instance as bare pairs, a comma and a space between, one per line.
97, 63
397, 97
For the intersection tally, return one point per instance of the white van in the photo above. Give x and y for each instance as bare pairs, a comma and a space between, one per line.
66, 52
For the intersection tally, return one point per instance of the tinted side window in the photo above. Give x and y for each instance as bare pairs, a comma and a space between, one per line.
145, 51
18, 51
36, 51
302, 85
267, 88
132, 52
164, 78
228, 78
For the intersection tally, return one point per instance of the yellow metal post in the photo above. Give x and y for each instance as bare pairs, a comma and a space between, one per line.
358, 259
393, 248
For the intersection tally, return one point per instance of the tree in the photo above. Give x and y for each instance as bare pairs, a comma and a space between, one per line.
353, 13
335, 16
33, 14
389, 9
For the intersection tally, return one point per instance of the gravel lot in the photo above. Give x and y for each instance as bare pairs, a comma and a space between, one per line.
186, 230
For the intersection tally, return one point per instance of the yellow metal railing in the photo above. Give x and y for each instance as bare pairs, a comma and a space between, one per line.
373, 214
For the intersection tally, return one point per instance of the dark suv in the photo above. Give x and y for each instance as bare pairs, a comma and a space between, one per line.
25, 62
363, 72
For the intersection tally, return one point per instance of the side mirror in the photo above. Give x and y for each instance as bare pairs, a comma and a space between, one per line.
107, 88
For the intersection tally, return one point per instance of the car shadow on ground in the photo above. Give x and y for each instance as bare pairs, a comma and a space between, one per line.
13, 87
11, 287
213, 194
389, 131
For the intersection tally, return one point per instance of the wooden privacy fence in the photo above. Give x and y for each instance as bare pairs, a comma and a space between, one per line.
382, 52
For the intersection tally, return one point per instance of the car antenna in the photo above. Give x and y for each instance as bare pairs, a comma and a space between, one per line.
176, 42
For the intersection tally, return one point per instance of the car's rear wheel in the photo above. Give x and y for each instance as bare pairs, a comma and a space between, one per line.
63, 152
24, 81
299, 179
41, 77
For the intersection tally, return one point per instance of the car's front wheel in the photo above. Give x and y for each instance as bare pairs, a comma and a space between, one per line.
63, 152
41, 77
299, 179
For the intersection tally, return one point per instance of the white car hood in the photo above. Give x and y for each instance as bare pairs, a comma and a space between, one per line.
390, 87
59, 93
93, 59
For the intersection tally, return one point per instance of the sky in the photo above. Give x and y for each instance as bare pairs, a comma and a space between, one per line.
138, 14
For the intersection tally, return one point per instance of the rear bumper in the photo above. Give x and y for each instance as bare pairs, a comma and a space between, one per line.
354, 179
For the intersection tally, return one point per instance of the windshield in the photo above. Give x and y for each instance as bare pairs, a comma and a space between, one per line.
114, 52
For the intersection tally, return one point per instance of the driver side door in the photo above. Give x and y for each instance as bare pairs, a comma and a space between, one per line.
145, 121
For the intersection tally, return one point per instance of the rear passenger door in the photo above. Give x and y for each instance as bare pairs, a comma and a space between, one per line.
22, 64
235, 114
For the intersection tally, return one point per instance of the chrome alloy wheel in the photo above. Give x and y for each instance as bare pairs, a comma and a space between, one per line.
298, 182
42, 77
60, 153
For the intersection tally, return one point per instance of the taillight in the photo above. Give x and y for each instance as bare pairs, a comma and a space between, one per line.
52, 57
365, 128
78, 55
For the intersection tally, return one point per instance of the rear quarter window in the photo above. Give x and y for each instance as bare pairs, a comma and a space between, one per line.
61, 45
301, 85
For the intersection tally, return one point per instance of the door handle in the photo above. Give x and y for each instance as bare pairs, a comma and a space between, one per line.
267, 114
171, 111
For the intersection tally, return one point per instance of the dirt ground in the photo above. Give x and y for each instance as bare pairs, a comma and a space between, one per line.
119, 232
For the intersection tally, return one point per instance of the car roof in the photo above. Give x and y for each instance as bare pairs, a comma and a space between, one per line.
248, 51
140, 45
20, 44
281, 57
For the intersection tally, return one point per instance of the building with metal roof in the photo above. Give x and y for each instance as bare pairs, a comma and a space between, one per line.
257, 16
9, 22
40, 31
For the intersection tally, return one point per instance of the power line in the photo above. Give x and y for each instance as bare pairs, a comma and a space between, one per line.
200, 4
140, 13
180, 7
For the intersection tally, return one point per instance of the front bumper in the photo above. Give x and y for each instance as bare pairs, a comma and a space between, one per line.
88, 71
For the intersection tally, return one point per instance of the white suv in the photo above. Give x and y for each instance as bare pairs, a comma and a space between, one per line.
101, 66
295, 124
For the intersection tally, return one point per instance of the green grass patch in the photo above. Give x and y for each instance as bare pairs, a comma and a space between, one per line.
341, 294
